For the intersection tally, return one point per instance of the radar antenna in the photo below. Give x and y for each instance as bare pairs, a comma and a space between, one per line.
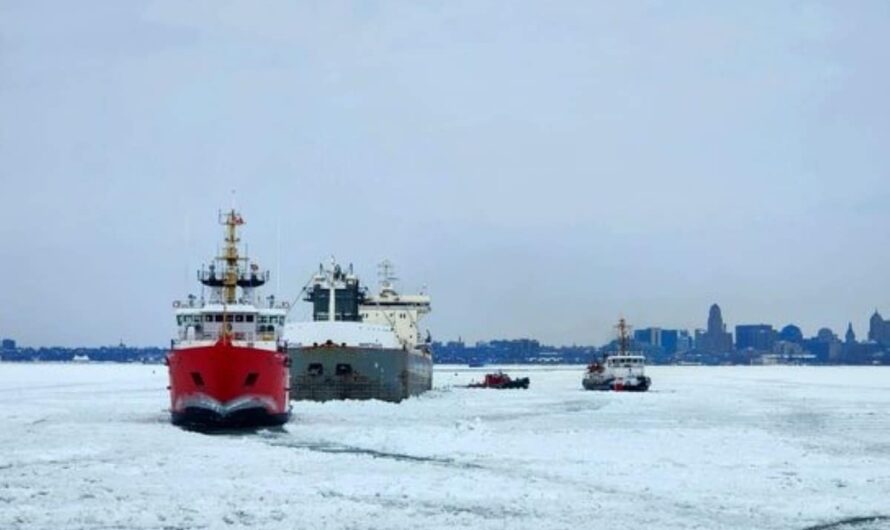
386, 271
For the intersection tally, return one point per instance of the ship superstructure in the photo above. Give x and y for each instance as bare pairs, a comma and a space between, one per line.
359, 345
227, 363
399, 311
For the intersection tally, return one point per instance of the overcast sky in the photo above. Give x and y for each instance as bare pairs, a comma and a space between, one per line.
543, 167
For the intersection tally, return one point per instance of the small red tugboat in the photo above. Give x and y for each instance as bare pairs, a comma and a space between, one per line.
500, 381
228, 367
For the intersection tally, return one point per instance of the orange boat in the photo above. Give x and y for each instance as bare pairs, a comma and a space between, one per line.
228, 366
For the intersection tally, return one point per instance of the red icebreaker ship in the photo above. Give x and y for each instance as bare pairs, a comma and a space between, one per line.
228, 366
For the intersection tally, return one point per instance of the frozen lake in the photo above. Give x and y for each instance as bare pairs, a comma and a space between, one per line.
89, 446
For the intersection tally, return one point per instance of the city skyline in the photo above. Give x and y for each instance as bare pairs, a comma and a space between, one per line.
714, 345
542, 169
877, 330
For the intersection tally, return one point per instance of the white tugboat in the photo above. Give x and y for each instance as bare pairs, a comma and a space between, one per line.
358, 345
621, 371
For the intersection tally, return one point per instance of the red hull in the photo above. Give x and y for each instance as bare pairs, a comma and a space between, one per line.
228, 386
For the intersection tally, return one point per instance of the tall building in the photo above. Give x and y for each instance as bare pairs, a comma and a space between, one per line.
7, 345
850, 337
716, 339
684, 341
668, 339
879, 329
698, 340
758, 337
650, 336
858, 352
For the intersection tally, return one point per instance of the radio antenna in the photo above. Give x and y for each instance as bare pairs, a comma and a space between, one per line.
278, 258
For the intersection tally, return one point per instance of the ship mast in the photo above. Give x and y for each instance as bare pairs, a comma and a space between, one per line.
623, 336
234, 271
230, 256
386, 273
332, 300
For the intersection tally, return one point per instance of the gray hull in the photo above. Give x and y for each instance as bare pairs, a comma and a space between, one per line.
638, 384
336, 372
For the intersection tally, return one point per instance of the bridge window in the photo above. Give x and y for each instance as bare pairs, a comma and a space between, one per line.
315, 369
248, 318
239, 318
217, 318
344, 369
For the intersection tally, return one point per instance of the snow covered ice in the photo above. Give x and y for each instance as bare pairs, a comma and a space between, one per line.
91, 447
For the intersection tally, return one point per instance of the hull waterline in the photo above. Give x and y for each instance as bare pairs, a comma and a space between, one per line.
228, 386
641, 385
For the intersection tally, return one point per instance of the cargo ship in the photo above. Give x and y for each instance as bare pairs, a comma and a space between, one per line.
359, 345
228, 366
